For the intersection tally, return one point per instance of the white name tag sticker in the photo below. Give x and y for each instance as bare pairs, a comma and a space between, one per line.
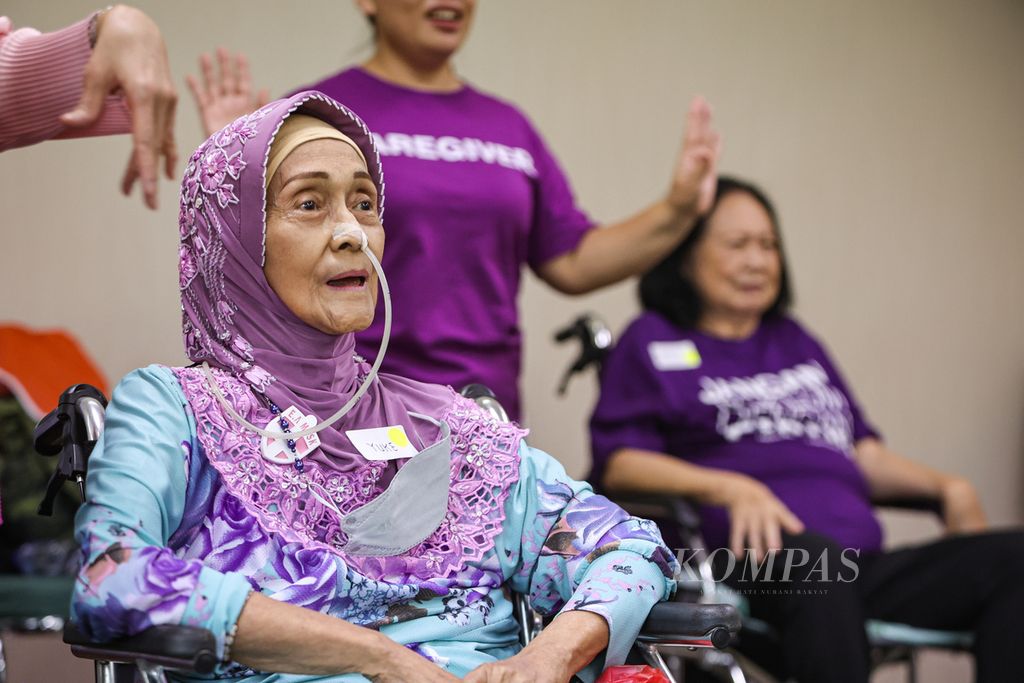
677, 355
382, 443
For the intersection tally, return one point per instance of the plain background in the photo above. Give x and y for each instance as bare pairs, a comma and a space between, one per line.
888, 134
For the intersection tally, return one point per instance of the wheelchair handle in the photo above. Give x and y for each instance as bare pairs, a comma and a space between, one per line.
595, 342
486, 400
70, 430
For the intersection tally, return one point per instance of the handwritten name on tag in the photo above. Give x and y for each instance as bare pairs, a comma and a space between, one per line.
382, 443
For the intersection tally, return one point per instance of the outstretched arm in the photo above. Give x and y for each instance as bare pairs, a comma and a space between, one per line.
891, 475
58, 85
614, 252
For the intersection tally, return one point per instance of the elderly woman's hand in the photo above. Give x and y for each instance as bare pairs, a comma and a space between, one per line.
693, 184
401, 665
567, 645
522, 668
961, 507
757, 517
226, 92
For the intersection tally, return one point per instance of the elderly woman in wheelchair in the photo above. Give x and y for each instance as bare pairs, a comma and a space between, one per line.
715, 394
325, 522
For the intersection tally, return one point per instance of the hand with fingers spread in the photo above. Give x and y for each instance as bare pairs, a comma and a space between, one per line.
226, 91
696, 173
756, 517
129, 56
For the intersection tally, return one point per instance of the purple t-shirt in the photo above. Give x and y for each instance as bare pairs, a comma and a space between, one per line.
472, 194
772, 406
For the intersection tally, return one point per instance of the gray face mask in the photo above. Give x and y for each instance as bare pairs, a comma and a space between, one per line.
410, 509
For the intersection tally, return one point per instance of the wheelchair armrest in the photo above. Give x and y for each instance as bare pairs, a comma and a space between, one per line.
653, 505
183, 648
686, 623
914, 504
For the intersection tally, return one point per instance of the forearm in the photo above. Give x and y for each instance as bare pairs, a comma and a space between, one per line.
631, 469
277, 636
41, 77
611, 253
571, 640
891, 475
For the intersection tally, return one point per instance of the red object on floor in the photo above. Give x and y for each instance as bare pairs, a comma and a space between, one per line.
632, 674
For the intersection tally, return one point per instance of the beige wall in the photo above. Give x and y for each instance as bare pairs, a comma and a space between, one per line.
889, 135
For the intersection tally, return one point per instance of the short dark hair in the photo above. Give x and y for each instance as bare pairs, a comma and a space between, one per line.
666, 290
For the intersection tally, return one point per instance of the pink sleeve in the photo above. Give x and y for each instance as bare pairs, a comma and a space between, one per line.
41, 77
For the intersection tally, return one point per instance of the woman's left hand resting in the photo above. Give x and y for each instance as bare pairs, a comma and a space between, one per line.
961, 508
564, 647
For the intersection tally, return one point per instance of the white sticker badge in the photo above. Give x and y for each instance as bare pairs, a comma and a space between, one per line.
677, 355
382, 443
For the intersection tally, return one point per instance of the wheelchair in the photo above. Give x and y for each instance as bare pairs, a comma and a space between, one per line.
70, 432
890, 643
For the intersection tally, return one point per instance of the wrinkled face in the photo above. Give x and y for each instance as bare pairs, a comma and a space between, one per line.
327, 283
421, 27
736, 265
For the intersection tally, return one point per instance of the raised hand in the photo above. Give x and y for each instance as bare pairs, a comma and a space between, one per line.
130, 57
696, 174
226, 91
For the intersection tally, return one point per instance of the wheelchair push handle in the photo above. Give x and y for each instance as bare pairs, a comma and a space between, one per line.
595, 341
70, 431
486, 400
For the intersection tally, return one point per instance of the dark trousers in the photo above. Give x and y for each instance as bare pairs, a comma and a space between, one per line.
969, 583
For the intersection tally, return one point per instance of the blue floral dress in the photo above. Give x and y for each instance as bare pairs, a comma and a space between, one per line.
164, 542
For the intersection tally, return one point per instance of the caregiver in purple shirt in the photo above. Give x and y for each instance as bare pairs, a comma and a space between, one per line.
474, 195
715, 394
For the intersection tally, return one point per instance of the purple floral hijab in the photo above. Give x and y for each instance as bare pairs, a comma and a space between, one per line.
261, 352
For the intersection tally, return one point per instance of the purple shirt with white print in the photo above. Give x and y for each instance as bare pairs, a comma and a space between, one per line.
473, 195
772, 406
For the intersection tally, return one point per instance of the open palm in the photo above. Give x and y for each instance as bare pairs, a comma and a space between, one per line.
226, 91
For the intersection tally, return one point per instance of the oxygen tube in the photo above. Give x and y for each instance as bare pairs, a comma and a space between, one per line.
339, 232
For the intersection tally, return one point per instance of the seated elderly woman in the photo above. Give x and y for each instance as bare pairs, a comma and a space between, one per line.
379, 535
716, 394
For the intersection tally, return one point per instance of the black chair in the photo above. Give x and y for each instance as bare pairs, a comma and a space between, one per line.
70, 432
